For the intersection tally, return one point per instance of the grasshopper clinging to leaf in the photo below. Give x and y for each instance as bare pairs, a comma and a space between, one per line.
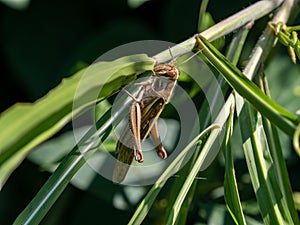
148, 104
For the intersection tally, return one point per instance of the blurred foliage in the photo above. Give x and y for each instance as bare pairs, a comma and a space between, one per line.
47, 40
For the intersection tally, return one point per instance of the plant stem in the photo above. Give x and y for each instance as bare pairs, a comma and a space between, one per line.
267, 40
222, 28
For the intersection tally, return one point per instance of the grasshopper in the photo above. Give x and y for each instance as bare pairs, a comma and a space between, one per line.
153, 95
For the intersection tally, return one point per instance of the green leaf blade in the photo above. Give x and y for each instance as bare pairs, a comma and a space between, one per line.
28, 124
247, 89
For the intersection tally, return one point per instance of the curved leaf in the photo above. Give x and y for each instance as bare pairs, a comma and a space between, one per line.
278, 115
28, 124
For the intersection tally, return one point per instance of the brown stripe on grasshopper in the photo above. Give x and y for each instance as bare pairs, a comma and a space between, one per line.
144, 112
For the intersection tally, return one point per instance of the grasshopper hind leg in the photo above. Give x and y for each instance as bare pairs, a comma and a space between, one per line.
135, 125
157, 142
138, 155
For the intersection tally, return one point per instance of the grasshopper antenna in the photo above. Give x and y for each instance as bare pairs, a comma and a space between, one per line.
196, 178
189, 58
173, 61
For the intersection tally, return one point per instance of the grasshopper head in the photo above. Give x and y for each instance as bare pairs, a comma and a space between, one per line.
167, 70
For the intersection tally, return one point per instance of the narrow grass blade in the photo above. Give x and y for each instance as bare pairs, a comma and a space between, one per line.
276, 152
147, 202
231, 192
211, 143
172, 217
52, 189
272, 205
55, 185
247, 89
233, 55
28, 124
296, 140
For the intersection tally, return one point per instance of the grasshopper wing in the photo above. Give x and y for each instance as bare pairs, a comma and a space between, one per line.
125, 155
125, 145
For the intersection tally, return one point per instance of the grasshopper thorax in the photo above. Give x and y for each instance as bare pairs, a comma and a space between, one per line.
166, 70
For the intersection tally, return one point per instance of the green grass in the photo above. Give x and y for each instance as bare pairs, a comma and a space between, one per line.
240, 154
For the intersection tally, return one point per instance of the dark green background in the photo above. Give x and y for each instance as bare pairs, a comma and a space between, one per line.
50, 40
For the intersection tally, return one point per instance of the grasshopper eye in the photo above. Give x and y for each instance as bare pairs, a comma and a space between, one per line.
173, 73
